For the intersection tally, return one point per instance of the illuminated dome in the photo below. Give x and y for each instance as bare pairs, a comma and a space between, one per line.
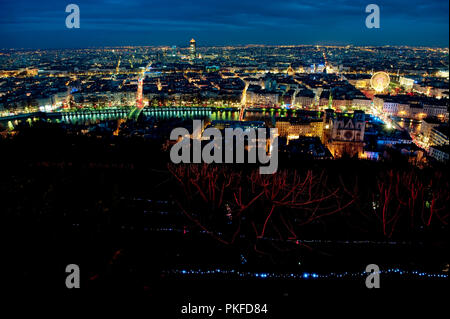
380, 81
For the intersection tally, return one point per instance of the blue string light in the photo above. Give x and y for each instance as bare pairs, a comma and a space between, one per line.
303, 275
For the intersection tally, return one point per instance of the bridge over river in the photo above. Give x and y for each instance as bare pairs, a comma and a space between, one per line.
214, 113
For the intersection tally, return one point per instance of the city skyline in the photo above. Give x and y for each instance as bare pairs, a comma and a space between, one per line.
264, 153
25, 24
150, 153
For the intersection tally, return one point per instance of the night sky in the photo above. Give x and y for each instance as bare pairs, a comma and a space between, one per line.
41, 23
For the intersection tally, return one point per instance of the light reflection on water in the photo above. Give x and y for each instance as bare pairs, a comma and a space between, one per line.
413, 126
227, 115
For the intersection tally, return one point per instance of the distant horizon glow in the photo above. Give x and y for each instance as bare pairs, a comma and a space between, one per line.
186, 47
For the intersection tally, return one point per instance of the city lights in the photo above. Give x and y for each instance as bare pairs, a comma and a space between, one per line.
222, 158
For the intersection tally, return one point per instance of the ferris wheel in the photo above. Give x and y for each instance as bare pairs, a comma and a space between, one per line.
380, 81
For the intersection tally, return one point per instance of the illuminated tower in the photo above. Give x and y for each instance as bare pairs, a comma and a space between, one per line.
174, 51
192, 49
290, 71
330, 101
139, 95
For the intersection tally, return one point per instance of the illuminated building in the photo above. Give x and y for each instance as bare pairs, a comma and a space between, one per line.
192, 49
174, 51
440, 153
407, 83
349, 129
345, 134
294, 127
406, 106
361, 103
259, 97
443, 73
290, 71
434, 133
425, 129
